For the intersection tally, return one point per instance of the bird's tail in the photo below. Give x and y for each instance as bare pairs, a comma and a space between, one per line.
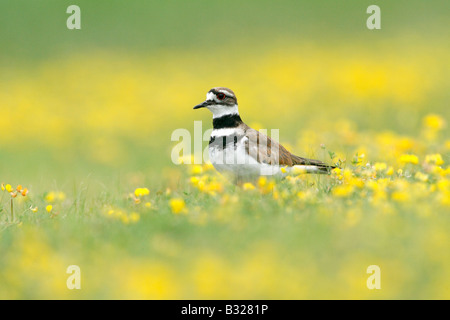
311, 166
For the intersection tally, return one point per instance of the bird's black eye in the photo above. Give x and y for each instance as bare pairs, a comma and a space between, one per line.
220, 96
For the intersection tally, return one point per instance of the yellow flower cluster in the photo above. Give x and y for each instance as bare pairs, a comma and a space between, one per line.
14, 192
409, 158
139, 194
205, 182
375, 182
122, 215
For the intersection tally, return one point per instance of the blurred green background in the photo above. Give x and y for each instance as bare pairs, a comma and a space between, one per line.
170, 53
90, 113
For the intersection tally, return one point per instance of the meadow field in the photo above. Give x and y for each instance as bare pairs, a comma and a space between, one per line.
86, 118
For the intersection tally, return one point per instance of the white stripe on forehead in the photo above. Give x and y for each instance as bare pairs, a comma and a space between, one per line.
210, 96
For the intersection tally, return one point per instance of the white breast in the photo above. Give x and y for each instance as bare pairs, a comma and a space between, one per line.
234, 158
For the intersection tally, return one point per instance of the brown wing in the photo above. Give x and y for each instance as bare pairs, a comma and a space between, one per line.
266, 150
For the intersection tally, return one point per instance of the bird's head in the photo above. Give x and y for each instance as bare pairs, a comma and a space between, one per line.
220, 101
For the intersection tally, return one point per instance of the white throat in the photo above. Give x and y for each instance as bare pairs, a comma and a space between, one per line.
221, 110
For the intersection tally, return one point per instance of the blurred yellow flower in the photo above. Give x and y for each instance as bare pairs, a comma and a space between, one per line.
121, 215
8, 188
262, 181
196, 169
195, 180
53, 196
342, 190
434, 122
177, 205
248, 186
140, 192
400, 196
49, 208
409, 158
390, 171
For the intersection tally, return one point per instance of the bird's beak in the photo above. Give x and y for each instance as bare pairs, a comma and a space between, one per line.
202, 105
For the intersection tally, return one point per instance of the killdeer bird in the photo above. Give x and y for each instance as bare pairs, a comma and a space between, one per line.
244, 152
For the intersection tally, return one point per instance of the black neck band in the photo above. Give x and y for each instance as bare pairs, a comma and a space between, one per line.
227, 121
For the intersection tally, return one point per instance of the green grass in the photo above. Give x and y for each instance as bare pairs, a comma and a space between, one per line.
156, 60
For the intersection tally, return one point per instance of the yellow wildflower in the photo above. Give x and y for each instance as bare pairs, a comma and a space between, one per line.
434, 122
24, 192
214, 186
49, 208
195, 180
443, 185
248, 186
140, 192
177, 205
8, 188
390, 171
409, 158
343, 190
50, 197
196, 169
262, 181
269, 187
